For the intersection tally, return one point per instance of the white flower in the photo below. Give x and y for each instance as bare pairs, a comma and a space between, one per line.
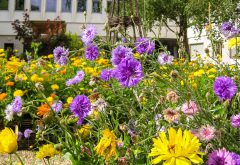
9, 112
99, 105
164, 59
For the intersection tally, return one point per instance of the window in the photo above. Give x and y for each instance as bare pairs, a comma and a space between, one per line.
96, 6
35, 5
51, 5
3, 4
19, 5
81, 5
109, 6
66, 5
196, 49
9, 46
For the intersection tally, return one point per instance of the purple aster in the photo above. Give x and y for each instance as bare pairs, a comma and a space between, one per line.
236, 157
228, 30
221, 157
224, 87
91, 52
106, 74
60, 55
89, 34
77, 79
120, 53
129, 72
19, 136
80, 107
17, 104
57, 106
164, 59
27, 133
144, 45
235, 121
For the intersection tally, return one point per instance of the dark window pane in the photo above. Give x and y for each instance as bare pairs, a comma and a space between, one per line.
96, 6
81, 5
51, 5
66, 5
109, 6
3, 4
36, 5
19, 5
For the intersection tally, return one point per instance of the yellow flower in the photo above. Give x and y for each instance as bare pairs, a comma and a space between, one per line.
199, 73
18, 93
21, 77
50, 99
69, 100
84, 131
136, 55
13, 66
233, 42
182, 82
35, 78
103, 62
46, 151
8, 141
180, 148
212, 70
211, 76
54, 87
50, 56
107, 145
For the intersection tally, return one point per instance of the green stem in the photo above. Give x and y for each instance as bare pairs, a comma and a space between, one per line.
10, 159
19, 158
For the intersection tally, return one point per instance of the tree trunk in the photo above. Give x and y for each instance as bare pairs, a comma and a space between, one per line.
184, 46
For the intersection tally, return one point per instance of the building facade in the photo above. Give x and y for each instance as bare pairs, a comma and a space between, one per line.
70, 11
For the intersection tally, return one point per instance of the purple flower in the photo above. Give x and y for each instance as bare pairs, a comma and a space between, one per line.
19, 136
228, 30
144, 45
236, 157
120, 53
235, 121
60, 55
221, 157
17, 104
106, 74
57, 106
129, 72
89, 34
91, 52
224, 87
77, 79
80, 107
164, 59
27, 133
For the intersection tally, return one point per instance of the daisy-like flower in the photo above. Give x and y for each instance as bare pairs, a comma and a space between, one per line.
107, 145
120, 53
77, 79
46, 151
221, 157
129, 72
144, 45
164, 59
170, 115
91, 52
225, 88
43, 109
206, 133
190, 108
80, 107
60, 55
89, 34
177, 149
235, 121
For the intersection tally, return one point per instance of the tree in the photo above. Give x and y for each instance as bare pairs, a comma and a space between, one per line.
186, 13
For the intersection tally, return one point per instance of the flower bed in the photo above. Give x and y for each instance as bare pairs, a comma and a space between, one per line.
129, 105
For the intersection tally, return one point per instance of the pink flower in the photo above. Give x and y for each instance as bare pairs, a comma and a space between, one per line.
206, 133
189, 108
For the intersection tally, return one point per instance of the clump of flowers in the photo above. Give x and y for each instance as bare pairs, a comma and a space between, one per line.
224, 87
89, 34
8, 141
77, 79
129, 72
47, 151
164, 59
14, 108
179, 148
144, 45
120, 53
80, 107
235, 121
60, 55
91, 52
222, 157
107, 145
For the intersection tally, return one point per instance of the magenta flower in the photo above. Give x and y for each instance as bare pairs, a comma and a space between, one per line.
235, 121
221, 157
224, 87
206, 133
